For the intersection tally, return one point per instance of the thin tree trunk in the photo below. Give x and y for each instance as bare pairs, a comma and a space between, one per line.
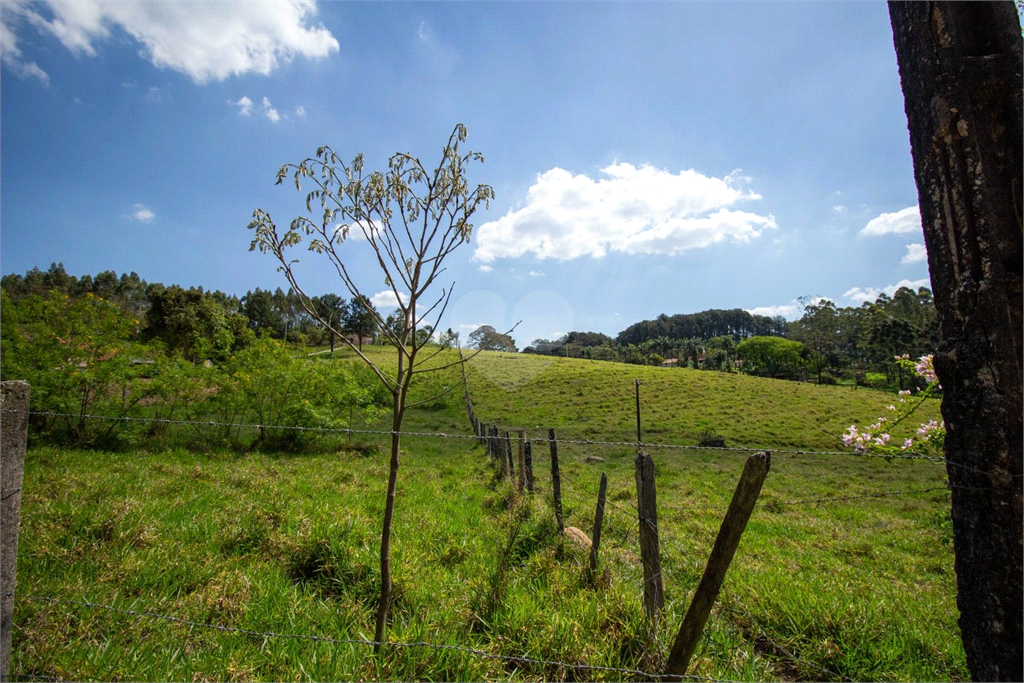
389, 512
961, 71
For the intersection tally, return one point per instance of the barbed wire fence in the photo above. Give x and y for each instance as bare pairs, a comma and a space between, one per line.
627, 510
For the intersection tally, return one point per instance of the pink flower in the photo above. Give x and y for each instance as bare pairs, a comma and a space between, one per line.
907, 444
926, 369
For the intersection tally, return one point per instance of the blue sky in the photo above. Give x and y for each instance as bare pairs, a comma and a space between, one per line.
646, 158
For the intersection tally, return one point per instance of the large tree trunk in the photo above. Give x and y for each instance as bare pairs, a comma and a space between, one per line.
960, 67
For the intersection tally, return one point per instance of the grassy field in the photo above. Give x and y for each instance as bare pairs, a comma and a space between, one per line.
860, 589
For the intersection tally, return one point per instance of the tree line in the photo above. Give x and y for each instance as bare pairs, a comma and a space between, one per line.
202, 324
829, 344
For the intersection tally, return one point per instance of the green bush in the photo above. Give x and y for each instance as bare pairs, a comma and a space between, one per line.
264, 384
77, 356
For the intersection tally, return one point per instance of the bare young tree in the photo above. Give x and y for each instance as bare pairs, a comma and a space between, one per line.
413, 218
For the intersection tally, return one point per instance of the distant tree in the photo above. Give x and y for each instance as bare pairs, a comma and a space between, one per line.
331, 308
360, 318
819, 331
770, 356
425, 335
448, 339
190, 322
412, 218
486, 338
264, 317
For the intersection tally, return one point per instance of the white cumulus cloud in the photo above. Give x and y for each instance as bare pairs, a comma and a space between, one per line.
385, 299
244, 105
903, 221
861, 294
269, 111
300, 111
633, 210
915, 253
205, 40
10, 54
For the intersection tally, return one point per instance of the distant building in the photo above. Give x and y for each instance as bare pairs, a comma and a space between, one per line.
355, 341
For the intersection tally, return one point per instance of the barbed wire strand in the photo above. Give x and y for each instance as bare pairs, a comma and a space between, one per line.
360, 642
473, 437
837, 499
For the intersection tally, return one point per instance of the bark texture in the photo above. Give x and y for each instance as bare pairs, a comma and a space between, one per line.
961, 71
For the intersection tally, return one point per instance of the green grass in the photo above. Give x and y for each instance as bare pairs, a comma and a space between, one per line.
862, 589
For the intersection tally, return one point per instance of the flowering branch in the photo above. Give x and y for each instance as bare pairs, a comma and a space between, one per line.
930, 435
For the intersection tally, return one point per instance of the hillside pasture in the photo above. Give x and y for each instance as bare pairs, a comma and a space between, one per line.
285, 545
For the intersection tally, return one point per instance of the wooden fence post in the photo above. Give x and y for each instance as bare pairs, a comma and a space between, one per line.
509, 456
598, 519
647, 509
521, 460
747, 490
528, 463
556, 479
499, 452
14, 408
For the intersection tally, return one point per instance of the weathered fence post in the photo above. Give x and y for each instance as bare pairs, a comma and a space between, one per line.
521, 459
747, 490
556, 479
509, 456
13, 439
598, 519
528, 462
647, 509
499, 452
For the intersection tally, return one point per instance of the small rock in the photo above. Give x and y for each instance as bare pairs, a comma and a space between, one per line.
578, 537
593, 458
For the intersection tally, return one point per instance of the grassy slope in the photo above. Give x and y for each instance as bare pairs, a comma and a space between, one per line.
862, 589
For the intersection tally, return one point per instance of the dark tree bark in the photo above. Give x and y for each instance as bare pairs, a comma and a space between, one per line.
960, 68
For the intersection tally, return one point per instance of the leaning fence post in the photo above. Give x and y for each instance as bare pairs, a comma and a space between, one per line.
528, 463
647, 510
556, 479
598, 519
747, 490
13, 439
